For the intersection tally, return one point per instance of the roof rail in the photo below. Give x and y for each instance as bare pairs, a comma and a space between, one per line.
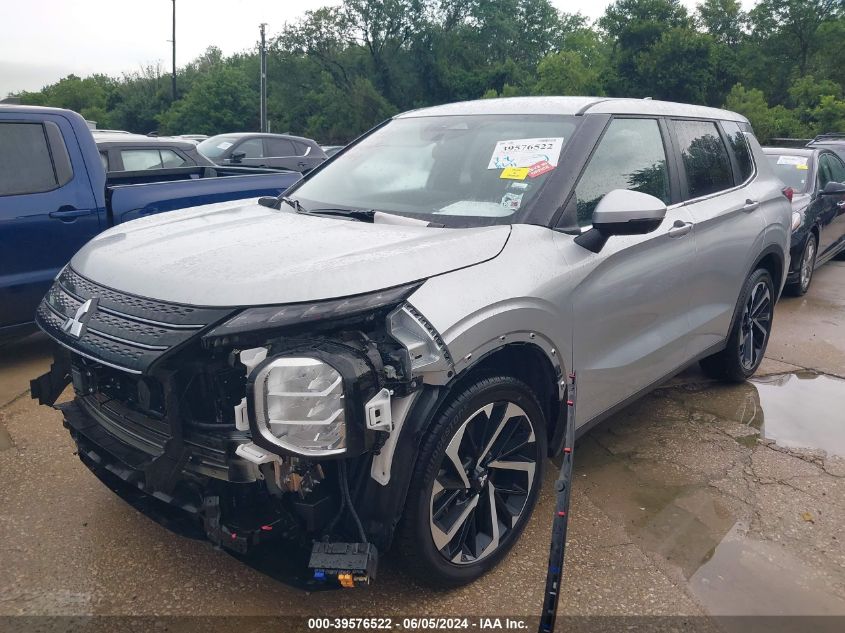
790, 142
829, 135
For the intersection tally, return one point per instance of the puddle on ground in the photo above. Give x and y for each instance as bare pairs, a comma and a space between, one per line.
745, 576
645, 471
798, 410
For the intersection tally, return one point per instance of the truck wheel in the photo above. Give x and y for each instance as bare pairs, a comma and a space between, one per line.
750, 334
806, 268
475, 482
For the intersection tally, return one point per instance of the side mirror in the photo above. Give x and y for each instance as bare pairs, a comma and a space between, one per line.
622, 212
237, 157
833, 188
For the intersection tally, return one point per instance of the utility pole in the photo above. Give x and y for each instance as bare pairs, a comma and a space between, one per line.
173, 76
263, 88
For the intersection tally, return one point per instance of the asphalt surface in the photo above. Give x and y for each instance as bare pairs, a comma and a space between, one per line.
699, 500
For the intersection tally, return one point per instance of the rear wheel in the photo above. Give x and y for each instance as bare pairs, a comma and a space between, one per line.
749, 337
807, 266
475, 483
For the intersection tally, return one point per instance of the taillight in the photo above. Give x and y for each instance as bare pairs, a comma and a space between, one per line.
788, 192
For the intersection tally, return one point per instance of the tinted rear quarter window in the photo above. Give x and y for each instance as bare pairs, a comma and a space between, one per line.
280, 147
705, 158
25, 163
630, 155
741, 151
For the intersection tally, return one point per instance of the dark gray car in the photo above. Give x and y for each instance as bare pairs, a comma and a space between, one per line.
817, 180
279, 151
134, 152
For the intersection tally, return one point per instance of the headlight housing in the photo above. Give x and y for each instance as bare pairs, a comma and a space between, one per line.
300, 405
311, 404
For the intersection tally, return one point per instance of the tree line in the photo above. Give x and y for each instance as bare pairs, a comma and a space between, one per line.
339, 70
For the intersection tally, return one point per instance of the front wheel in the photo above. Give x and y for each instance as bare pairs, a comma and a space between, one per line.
749, 337
475, 483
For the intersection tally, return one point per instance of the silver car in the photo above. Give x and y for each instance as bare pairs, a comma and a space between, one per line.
384, 354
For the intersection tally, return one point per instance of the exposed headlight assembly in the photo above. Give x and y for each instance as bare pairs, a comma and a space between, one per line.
310, 405
266, 318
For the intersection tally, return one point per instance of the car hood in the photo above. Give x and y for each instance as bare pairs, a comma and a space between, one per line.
237, 254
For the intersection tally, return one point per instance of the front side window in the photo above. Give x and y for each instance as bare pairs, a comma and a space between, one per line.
831, 170
486, 168
705, 158
25, 163
216, 146
630, 156
169, 159
252, 148
140, 159
739, 145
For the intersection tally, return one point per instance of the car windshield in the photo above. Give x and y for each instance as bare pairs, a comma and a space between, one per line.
484, 168
792, 169
215, 146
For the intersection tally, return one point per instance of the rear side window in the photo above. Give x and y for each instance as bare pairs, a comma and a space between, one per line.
741, 151
25, 163
705, 158
629, 156
280, 147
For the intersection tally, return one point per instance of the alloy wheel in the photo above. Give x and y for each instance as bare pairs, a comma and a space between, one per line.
807, 263
755, 325
483, 482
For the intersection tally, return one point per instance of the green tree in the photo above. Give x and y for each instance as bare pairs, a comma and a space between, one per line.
678, 67
222, 100
724, 20
634, 26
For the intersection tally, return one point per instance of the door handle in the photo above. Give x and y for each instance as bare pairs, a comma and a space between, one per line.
680, 228
750, 205
68, 213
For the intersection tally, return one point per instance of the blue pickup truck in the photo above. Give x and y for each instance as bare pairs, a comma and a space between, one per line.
55, 196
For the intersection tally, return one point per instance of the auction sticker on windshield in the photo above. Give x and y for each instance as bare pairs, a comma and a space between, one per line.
798, 161
525, 152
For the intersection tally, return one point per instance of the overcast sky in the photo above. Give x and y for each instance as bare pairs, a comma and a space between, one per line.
44, 40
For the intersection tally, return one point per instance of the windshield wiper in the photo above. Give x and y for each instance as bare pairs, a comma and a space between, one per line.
362, 215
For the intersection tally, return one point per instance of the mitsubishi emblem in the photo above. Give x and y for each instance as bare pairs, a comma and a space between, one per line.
76, 325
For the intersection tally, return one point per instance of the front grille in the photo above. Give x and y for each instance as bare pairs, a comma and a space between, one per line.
123, 331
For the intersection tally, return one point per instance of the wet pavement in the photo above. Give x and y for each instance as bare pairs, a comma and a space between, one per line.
699, 500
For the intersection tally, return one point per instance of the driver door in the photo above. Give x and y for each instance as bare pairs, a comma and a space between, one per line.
631, 306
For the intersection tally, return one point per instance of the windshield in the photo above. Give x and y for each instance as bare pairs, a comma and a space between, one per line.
483, 166
215, 146
791, 169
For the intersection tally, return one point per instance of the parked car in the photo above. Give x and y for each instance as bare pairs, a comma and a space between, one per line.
388, 352
833, 141
816, 178
133, 152
331, 150
251, 149
55, 196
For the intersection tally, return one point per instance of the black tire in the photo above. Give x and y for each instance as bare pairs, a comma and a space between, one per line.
476, 547
738, 361
806, 268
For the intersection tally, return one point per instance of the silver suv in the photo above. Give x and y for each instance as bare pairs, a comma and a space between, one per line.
383, 355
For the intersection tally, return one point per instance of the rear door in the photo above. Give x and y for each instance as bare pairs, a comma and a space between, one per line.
631, 308
832, 207
47, 208
726, 204
281, 153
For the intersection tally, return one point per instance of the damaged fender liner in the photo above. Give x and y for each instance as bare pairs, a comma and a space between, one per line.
110, 459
